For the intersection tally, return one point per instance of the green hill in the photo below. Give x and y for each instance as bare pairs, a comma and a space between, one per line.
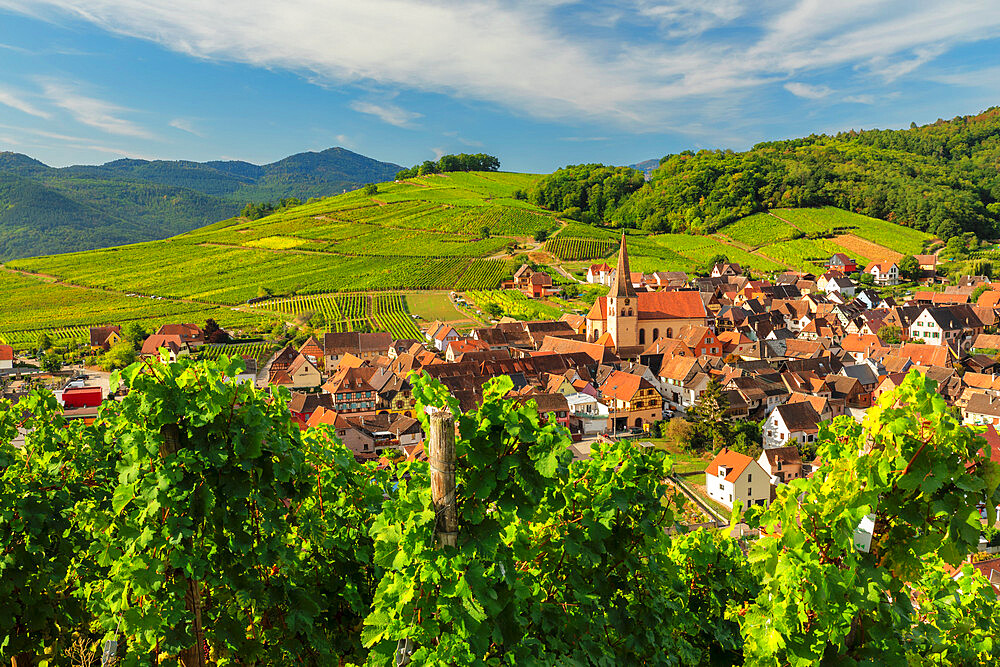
940, 178
423, 233
46, 210
426, 233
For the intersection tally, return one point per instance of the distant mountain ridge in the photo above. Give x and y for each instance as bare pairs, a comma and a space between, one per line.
47, 209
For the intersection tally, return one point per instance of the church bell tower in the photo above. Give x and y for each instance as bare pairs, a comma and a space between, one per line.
623, 305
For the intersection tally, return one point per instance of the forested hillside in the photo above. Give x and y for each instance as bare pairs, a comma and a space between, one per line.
940, 178
46, 210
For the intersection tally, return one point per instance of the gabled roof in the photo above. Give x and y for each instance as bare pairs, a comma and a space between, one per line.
798, 416
788, 454
623, 386
6, 353
734, 462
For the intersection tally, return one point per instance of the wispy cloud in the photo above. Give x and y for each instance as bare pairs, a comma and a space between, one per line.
185, 125
655, 64
387, 113
808, 91
68, 141
16, 99
860, 99
92, 111
584, 139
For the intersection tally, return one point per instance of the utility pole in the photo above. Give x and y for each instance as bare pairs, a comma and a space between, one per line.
441, 456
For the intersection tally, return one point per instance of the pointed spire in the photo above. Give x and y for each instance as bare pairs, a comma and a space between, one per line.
621, 286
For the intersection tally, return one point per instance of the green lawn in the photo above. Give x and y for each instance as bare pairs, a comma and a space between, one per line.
683, 461
431, 306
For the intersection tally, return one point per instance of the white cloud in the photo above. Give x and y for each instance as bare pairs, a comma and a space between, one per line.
91, 111
860, 99
807, 91
185, 125
650, 64
70, 141
387, 113
16, 100
438, 152
584, 139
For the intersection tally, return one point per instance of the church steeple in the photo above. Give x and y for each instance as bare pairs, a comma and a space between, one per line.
621, 286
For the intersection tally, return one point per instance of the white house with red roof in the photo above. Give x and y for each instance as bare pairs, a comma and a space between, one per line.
884, 273
732, 477
599, 274
440, 335
6, 357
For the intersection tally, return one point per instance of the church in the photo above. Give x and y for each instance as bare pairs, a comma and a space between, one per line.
630, 320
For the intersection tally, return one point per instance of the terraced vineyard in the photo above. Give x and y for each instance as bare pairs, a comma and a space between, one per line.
389, 311
352, 312
258, 351
24, 339
484, 273
347, 312
576, 249
515, 304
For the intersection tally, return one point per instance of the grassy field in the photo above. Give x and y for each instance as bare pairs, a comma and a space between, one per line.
431, 306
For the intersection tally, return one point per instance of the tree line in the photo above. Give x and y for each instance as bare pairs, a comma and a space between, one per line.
939, 178
449, 163
194, 523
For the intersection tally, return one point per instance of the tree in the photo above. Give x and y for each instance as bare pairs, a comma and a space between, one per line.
890, 334
210, 329
978, 292
52, 363
119, 356
493, 309
485, 232
830, 593
541, 235
866, 279
135, 334
909, 268
43, 342
716, 259
710, 423
370, 190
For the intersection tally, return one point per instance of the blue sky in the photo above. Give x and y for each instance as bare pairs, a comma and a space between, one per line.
539, 83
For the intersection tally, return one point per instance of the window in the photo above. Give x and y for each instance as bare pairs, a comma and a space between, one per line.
749, 478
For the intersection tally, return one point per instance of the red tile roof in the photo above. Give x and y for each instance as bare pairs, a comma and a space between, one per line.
734, 462
6, 353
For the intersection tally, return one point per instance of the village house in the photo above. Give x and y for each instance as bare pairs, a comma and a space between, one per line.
104, 338
782, 464
885, 273
599, 274
362, 345
351, 391
726, 270
6, 357
842, 263
632, 401
190, 334
174, 345
982, 409
440, 335
791, 423
732, 477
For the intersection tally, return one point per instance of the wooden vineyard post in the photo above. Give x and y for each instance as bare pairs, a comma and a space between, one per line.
441, 456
